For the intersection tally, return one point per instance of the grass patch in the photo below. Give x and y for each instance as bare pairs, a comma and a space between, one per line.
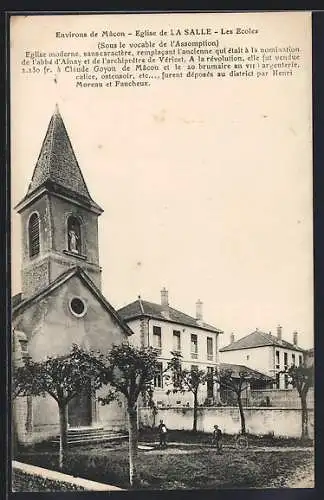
177, 467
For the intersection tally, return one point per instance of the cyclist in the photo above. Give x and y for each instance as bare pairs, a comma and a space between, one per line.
217, 438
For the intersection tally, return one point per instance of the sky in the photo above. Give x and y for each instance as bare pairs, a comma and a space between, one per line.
206, 186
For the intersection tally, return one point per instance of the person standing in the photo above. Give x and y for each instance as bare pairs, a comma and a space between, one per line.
217, 438
163, 434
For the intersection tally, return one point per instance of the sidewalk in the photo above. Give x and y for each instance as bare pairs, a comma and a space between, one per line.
252, 448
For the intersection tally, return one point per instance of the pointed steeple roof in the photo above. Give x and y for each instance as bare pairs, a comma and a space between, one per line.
57, 165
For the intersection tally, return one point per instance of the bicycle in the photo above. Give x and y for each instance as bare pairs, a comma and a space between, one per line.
241, 442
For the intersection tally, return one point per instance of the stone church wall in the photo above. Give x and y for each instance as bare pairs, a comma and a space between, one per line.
52, 329
35, 277
61, 210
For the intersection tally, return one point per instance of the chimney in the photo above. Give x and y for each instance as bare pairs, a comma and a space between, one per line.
295, 338
164, 297
279, 332
199, 310
232, 338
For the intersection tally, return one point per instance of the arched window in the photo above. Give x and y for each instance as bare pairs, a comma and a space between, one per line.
74, 235
33, 233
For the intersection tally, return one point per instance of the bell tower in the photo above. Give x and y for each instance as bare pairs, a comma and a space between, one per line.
59, 219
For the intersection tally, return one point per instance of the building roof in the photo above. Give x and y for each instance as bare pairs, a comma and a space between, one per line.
251, 373
57, 167
259, 339
59, 281
142, 308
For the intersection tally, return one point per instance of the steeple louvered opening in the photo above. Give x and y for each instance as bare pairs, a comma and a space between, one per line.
33, 234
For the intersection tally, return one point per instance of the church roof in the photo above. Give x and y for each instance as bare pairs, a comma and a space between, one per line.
57, 167
59, 281
140, 308
259, 339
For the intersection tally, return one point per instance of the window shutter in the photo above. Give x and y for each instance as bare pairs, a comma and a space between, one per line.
34, 235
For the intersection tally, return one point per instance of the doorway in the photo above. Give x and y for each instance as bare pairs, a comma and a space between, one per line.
80, 409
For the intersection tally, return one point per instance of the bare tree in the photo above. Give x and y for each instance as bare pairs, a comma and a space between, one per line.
302, 378
184, 380
128, 370
237, 382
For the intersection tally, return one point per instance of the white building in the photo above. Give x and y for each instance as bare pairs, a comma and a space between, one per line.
168, 329
266, 353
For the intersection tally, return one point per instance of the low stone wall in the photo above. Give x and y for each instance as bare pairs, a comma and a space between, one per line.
27, 477
284, 422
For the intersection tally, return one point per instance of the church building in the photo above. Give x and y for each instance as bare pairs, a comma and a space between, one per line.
61, 302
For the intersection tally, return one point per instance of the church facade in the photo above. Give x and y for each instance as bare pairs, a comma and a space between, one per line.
61, 302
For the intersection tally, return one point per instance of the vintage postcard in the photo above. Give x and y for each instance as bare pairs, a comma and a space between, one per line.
162, 251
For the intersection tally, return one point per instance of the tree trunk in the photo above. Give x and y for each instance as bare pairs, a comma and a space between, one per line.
63, 434
195, 410
133, 439
154, 417
304, 434
239, 402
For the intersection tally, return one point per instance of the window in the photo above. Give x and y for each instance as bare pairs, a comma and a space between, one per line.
176, 377
33, 234
158, 378
194, 368
277, 368
23, 345
300, 360
285, 360
209, 348
77, 307
210, 382
194, 346
74, 235
247, 357
176, 341
277, 360
293, 358
286, 381
157, 343
278, 380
